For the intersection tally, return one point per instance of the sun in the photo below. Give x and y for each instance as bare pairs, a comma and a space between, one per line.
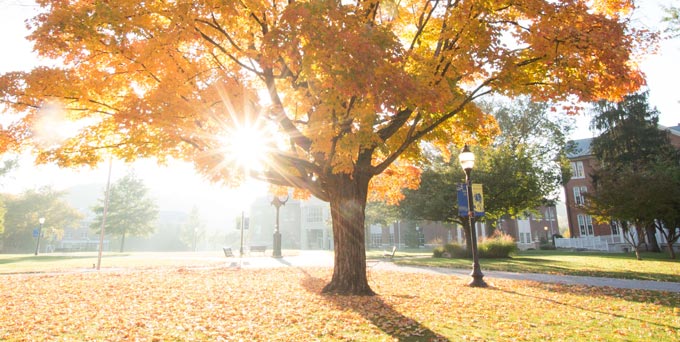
247, 147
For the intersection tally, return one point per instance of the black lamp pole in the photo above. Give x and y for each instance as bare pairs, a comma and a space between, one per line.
467, 161
277, 202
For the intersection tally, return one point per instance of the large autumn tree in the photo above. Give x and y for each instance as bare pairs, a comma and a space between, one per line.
350, 87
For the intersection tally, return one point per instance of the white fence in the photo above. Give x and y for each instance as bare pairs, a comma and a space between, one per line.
608, 243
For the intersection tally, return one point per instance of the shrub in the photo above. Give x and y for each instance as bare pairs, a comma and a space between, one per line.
456, 250
546, 246
498, 246
450, 250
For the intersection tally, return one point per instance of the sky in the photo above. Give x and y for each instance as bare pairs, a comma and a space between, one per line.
662, 73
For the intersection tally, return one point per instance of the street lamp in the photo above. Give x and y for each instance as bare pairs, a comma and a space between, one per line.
546, 234
277, 202
467, 162
37, 245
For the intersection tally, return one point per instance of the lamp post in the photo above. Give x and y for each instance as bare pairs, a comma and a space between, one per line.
243, 223
277, 202
37, 245
546, 234
467, 162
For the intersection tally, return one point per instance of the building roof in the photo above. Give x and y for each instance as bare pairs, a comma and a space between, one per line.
579, 148
674, 129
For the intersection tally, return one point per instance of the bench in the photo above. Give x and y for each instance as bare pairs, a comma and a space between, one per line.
390, 255
227, 252
258, 249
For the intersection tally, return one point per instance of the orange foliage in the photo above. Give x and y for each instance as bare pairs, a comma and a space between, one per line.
387, 186
349, 87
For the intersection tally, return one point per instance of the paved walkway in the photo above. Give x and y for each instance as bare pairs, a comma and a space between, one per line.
324, 259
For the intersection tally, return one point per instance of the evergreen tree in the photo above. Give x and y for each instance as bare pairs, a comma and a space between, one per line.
630, 145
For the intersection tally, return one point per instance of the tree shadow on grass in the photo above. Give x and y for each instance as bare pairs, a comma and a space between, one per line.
377, 311
585, 291
664, 298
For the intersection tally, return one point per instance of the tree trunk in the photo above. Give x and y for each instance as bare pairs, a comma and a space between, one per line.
637, 253
651, 238
348, 201
670, 250
122, 242
467, 234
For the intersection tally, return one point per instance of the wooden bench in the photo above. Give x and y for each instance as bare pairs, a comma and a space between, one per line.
258, 249
390, 255
227, 252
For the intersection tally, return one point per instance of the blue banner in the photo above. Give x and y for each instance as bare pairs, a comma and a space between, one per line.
461, 190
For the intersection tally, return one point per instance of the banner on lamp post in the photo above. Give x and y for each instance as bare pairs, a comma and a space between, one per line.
477, 199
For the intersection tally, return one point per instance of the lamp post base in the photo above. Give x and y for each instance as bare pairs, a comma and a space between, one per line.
277, 245
477, 279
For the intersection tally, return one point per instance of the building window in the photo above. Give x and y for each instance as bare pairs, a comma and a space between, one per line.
589, 224
549, 214
314, 214
582, 225
577, 170
525, 237
615, 228
579, 192
376, 240
585, 225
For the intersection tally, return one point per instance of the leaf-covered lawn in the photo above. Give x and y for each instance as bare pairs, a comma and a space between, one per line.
285, 304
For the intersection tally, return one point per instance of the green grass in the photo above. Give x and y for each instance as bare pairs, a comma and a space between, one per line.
23, 263
654, 266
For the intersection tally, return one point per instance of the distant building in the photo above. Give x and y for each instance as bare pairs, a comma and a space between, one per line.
303, 224
532, 229
77, 238
604, 235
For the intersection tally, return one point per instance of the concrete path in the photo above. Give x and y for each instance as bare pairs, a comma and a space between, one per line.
325, 259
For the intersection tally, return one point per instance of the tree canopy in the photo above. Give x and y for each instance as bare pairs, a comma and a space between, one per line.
345, 88
519, 172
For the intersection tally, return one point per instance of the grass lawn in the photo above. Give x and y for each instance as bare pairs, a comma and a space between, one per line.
28, 263
285, 304
654, 266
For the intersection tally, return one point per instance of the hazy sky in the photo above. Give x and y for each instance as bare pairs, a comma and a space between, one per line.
662, 72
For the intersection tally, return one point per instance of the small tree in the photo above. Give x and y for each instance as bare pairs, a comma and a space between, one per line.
131, 211
24, 211
193, 230
665, 201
